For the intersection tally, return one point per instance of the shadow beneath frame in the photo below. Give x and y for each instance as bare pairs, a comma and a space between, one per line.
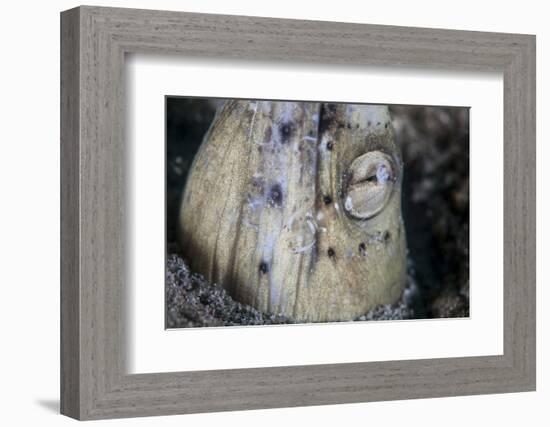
52, 405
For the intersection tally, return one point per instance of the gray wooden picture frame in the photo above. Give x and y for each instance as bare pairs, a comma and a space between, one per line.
94, 382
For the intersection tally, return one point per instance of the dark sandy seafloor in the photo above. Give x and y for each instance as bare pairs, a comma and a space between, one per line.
193, 302
435, 147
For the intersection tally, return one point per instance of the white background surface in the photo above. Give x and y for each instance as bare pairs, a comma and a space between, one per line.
153, 349
29, 218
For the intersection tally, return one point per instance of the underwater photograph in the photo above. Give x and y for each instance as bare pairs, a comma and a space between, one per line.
285, 212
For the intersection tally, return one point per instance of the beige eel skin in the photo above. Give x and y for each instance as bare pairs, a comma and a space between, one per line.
295, 208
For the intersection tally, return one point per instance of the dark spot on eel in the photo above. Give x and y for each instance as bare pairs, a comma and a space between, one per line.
263, 267
330, 252
329, 146
327, 200
275, 197
286, 131
362, 248
327, 117
386, 236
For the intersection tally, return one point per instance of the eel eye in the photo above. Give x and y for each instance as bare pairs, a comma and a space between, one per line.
371, 178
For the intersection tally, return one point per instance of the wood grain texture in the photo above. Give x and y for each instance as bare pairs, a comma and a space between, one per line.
94, 382
70, 314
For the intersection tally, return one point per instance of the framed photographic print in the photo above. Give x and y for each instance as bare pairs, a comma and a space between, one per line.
261, 213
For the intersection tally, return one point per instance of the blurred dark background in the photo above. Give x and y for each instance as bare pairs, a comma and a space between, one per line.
435, 147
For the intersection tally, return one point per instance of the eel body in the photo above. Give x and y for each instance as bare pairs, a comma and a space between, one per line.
295, 208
